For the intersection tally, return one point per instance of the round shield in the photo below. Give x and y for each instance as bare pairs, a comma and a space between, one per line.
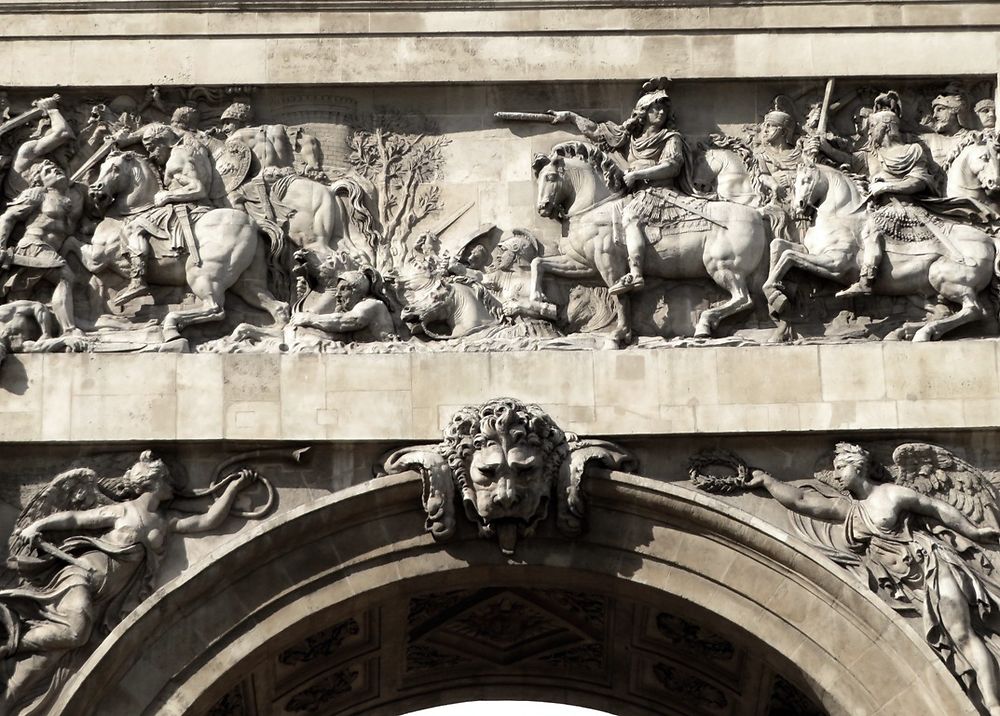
233, 162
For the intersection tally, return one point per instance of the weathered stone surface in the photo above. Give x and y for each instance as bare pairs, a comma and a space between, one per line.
405, 168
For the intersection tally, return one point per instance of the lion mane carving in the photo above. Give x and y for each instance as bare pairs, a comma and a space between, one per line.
508, 461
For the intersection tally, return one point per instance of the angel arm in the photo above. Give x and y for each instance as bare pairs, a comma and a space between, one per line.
949, 516
97, 518
215, 514
806, 502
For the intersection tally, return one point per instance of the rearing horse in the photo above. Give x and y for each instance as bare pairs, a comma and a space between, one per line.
973, 171
831, 249
573, 185
232, 254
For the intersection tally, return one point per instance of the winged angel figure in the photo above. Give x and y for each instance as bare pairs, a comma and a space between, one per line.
82, 556
912, 531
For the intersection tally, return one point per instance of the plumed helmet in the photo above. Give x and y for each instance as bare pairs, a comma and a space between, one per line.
886, 109
156, 131
240, 111
186, 117
951, 101
649, 99
522, 243
781, 114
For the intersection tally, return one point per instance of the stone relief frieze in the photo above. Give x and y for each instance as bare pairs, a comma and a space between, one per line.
241, 219
507, 464
921, 532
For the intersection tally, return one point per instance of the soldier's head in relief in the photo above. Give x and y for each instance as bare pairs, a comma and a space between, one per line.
237, 116
652, 113
185, 118
777, 129
158, 140
47, 174
986, 110
947, 113
518, 247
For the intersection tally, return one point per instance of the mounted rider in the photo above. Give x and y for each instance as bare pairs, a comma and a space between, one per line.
902, 203
187, 171
776, 149
658, 176
257, 159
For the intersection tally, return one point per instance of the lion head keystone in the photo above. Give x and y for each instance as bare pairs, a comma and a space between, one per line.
508, 462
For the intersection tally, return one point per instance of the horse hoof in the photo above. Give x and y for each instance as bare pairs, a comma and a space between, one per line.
924, 336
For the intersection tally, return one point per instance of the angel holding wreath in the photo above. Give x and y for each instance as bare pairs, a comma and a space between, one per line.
913, 535
70, 591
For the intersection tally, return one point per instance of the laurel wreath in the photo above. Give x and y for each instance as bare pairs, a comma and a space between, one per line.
718, 484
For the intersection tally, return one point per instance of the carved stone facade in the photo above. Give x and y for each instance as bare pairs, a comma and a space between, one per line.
425, 355
409, 230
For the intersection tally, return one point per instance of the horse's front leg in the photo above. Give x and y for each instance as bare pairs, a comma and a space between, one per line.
560, 265
776, 273
828, 265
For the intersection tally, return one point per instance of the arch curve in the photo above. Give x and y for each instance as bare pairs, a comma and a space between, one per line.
650, 545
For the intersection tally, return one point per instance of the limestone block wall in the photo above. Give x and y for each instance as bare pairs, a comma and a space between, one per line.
860, 387
149, 42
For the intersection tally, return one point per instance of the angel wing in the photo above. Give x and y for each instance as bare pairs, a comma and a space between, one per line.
938, 473
75, 489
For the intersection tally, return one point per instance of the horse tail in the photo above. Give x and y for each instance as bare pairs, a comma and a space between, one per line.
278, 276
357, 212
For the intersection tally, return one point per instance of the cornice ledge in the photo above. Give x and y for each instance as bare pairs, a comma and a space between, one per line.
284, 6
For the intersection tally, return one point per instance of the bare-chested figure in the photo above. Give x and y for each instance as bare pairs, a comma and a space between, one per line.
53, 143
31, 327
269, 143
352, 309
187, 180
49, 210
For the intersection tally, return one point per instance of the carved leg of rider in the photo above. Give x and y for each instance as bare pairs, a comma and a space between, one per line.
635, 245
62, 300
871, 257
138, 248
